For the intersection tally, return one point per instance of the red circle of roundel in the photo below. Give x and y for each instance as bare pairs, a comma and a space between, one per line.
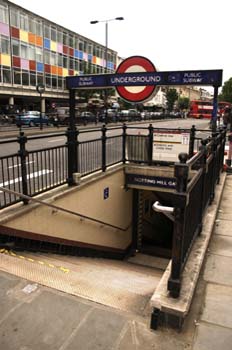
148, 90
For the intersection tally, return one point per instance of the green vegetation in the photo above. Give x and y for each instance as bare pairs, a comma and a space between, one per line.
226, 94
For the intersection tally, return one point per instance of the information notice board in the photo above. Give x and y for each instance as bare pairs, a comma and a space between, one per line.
168, 145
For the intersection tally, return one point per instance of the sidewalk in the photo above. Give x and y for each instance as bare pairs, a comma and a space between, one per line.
36, 317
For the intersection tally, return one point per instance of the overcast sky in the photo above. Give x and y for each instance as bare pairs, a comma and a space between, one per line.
173, 34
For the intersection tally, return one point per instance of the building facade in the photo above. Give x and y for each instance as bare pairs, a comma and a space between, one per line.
34, 50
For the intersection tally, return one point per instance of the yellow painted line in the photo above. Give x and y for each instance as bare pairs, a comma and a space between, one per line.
5, 251
13, 254
64, 269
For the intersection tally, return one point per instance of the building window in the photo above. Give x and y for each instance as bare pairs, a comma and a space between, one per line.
60, 83
31, 25
59, 37
32, 79
53, 34
71, 41
65, 62
4, 14
24, 51
6, 75
77, 65
25, 78
71, 63
53, 59
81, 45
47, 33
60, 60
39, 28
39, 54
76, 43
40, 79
5, 45
65, 38
46, 56
17, 76
15, 47
90, 48
31, 52
48, 80
24, 22
54, 82
14, 18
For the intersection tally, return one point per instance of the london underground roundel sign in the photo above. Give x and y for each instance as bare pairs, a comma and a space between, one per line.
136, 64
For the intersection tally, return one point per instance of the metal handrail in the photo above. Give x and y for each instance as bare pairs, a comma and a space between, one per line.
167, 211
62, 209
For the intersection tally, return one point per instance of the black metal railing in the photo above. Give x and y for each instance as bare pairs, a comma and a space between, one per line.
34, 171
196, 193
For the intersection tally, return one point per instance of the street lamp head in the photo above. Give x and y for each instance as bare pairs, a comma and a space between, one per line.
40, 88
108, 20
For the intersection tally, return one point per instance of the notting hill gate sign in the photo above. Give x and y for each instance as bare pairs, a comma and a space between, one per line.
136, 80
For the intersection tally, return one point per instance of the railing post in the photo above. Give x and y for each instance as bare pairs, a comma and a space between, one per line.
22, 140
214, 172
150, 144
124, 143
72, 145
104, 129
202, 200
192, 141
181, 174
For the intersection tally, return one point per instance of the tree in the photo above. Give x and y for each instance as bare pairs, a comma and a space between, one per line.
183, 103
226, 94
172, 97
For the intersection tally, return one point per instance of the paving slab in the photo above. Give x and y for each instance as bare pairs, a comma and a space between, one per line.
212, 337
221, 245
7, 303
137, 336
218, 269
218, 305
223, 227
45, 323
92, 333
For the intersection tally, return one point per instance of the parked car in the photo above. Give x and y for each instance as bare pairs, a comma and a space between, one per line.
86, 117
31, 118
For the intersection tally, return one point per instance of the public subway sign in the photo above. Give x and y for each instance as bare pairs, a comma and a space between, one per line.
209, 77
136, 79
168, 145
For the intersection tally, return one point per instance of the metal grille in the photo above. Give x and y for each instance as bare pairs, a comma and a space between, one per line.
46, 169
10, 178
89, 156
113, 150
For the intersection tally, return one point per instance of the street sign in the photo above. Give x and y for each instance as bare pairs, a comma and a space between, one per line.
136, 93
168, 145
203, 77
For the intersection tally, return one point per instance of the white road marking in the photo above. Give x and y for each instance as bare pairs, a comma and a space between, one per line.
29, 176
57, 140
15, 166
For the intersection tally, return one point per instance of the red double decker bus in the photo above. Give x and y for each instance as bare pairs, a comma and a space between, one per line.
222, 105
200, 109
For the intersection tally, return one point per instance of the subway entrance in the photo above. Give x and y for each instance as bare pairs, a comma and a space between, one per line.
153, 231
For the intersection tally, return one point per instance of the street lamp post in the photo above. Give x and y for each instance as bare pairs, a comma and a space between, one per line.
40, 88
106, 55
